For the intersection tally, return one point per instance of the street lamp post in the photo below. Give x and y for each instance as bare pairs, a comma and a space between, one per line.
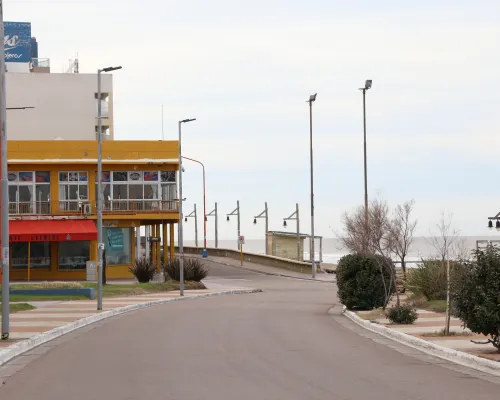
204, 252
194, 215
236, 212
311, 100
295, 216
213, 213
264, 215
181, 233
100, 242
368, 85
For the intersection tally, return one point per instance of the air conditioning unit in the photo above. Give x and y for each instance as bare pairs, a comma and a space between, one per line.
87, 209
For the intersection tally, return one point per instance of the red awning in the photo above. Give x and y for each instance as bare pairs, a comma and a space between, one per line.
52, 231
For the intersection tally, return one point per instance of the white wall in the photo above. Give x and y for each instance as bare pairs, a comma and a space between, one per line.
65, 105
17, 67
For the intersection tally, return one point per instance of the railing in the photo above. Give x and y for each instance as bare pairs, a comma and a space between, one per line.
90, 208
41, 62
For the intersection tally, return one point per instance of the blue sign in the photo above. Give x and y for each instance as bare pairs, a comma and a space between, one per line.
115, 239
17, 41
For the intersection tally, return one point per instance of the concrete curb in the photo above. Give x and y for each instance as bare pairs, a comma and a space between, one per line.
19, 348
458, 357
260, 272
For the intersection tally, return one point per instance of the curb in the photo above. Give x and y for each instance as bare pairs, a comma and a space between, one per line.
455, 356
22, 347
262, 272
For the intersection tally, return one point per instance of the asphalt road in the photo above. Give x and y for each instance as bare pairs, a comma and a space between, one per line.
279, 344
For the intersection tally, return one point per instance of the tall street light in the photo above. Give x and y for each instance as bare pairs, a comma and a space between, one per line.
368, 85
264, 214
181, 233
99, 185
194, 214
204, 253
236, 212
311, 100
295, 216
213, 213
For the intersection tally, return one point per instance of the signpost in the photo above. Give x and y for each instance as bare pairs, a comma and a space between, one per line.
241, 242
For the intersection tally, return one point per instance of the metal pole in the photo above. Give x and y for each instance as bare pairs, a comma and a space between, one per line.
216, 228
138, 242
100, 243
147, 244
298, 231
181, 239
204, 211
267, 229
365, 161
238, 211
195, 227
311, 251
5, 192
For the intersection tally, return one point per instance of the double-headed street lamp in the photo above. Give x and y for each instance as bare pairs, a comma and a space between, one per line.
236, 212
213, 213
311, 100
181, 233
194, 215
295, 216
264, 214
368, 85
204, 252
99, 185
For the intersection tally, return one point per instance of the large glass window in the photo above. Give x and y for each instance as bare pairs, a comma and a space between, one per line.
73, 190
74, 255
29, 192
118, 246
39, 255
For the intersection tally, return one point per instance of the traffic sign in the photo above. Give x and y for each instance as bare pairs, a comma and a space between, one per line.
101, 246
241, 239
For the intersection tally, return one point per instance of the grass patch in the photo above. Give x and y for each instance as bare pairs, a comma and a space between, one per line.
18, 307
438, 306
372, 315
441, 333
47, 285
27, 297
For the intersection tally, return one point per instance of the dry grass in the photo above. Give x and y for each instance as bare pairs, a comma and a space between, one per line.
48, 285
442, 334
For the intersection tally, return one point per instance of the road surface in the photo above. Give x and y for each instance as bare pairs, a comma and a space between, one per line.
279, 344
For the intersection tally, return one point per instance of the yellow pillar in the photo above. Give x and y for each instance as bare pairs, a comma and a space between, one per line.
165, 241
153, 244
158, 246
172, 249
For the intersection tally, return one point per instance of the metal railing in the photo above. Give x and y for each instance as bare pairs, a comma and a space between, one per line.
41, 62
69, 207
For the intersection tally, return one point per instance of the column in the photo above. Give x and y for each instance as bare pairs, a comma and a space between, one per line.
165, 241
147, 230
172, 248
138, 242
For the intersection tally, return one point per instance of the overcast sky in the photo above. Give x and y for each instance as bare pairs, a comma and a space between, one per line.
245, 71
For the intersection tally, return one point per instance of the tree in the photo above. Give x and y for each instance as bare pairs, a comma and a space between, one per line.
444, 243
401, 230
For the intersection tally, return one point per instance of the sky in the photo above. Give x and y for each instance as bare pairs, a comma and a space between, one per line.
245, 70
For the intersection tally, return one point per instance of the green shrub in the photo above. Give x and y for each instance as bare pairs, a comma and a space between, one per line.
194, 270
360, 283
476, 294
429, 278
143, 269
403, 314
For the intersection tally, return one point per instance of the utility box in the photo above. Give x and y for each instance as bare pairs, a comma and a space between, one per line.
286, 245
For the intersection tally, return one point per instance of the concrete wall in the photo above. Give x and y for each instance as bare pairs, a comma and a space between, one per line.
292, 265
286, 247
65, 106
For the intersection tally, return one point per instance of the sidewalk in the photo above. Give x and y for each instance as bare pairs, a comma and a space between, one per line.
54, 314
431, 323
320, 276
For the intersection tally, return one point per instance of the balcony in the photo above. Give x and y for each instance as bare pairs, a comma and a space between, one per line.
88, 209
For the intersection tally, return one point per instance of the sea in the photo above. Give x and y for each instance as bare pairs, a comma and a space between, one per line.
332, 250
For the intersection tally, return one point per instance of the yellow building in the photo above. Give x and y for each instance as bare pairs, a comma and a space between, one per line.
52, 205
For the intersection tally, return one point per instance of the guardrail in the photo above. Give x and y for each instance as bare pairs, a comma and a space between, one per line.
271, 261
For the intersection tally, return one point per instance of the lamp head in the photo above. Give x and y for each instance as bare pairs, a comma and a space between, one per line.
109, 69
312, 97
255, 221
227, 218
284, 224
368, 84
490, 224
498, 225
185, 219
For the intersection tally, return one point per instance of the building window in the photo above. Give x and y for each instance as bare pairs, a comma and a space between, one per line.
29, 192
73, 190
117, 242
74, 255
39, 255
138, 190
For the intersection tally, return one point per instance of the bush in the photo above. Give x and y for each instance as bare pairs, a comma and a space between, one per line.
143, 269
360, 282
194, 270
476, 294
428, 279
403, 314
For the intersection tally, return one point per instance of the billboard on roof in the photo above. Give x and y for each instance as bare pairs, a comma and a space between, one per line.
17, 41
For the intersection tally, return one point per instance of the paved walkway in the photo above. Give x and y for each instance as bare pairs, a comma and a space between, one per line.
50, 315
429, 323
320, 276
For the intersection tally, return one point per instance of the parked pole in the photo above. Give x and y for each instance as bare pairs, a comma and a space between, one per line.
298, 231
267, 228
239, 226
29, 261
312, 98
216, 228
195, 226
100, 243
